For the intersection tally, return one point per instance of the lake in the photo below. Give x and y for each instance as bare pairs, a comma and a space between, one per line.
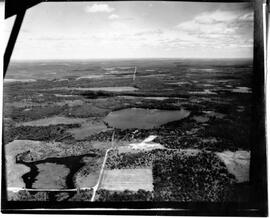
143, 118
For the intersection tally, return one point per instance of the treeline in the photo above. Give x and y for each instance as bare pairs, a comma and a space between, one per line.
141, 159
117, 196
52, 196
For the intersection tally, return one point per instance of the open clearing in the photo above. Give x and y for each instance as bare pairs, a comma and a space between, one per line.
14, 171
237, 163
127, 179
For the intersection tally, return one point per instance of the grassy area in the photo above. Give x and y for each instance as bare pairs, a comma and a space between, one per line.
127, 179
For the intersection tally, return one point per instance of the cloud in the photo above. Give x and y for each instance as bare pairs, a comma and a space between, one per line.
221, 28
95, 8
149, 32
113, 16
247, 17
217, 16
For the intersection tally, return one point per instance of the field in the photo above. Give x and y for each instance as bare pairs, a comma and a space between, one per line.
127, 179
65, 116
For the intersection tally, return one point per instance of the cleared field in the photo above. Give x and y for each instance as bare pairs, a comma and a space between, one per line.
237, 163
14, 171
127, 179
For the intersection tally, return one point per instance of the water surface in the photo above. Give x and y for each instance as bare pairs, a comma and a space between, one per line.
108, 89
53, 172
143, 118
51, 176
53, 121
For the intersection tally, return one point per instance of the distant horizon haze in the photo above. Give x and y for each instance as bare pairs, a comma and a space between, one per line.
123, 59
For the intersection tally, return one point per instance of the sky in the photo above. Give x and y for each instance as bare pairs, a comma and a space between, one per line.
160, 29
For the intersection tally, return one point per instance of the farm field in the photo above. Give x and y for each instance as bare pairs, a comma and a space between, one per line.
127, 179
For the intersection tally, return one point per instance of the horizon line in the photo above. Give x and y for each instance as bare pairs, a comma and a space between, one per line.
89, 59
